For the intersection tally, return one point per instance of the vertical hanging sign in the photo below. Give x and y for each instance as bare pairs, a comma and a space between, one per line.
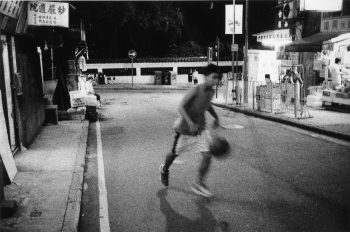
229, 22
48, 14
11, 8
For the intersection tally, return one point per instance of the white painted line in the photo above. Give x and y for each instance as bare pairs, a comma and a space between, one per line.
104, 218
229, 126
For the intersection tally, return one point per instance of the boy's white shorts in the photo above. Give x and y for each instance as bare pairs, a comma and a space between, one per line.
184, 143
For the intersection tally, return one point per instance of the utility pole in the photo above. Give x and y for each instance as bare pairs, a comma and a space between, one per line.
245, 71
233, 53
217, 50
217, 62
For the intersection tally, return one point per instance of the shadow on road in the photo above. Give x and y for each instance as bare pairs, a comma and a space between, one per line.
177, 222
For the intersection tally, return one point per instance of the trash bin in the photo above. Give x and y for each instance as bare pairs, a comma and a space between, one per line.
166, 78
101, 79
173, 75
157, 77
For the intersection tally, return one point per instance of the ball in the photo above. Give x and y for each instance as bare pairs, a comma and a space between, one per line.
219, 147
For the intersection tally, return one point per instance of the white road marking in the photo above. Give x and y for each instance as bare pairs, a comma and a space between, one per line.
229, 126
104, 218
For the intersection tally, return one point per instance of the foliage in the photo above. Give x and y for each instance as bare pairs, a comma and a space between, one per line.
187, 49
147, 27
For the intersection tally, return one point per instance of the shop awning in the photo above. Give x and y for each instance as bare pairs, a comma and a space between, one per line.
314, 42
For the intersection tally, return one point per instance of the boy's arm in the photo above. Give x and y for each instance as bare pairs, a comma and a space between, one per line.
213, 113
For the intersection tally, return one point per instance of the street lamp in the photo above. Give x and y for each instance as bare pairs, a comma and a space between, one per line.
233, 54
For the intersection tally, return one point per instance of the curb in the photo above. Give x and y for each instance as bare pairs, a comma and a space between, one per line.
287, 121
72, 214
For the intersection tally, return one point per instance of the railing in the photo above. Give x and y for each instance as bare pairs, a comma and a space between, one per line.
277, 98
157, 60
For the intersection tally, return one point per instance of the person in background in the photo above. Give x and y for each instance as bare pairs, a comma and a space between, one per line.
292, 76
267, 78
90, 90
336, 72
195, 77
190, 77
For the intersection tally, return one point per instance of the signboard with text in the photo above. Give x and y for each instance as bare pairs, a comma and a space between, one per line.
237, 24
48, 14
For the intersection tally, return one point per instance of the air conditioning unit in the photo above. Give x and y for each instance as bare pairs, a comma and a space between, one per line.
288, 10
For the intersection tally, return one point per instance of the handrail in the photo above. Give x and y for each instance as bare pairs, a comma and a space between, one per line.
156, 60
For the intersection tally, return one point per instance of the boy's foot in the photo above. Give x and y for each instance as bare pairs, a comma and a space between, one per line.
201, 190
164, 176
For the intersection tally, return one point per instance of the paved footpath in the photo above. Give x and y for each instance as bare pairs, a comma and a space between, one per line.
48, 185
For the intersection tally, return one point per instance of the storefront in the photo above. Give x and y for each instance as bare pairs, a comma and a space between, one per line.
319, 51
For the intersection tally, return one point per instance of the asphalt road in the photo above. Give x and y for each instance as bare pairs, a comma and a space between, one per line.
278, 178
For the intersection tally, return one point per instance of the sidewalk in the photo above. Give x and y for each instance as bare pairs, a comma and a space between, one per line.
327, 122
48, 185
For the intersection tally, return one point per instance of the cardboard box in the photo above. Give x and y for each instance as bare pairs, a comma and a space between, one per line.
326, 93
76, 98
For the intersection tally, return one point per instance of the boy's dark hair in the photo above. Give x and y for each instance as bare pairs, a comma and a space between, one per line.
211, 68
337, 60
90, 78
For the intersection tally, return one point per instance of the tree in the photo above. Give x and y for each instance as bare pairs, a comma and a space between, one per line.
147, 27
187, 49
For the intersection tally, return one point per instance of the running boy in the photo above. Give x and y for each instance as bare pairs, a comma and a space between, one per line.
190, 129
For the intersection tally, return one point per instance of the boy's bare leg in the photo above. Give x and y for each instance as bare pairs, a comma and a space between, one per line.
199, 187
204, 167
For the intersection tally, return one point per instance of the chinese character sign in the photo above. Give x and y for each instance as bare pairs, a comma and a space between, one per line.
48, 14
11, 8
237, 23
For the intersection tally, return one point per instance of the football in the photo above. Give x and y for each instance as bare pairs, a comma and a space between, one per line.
219, 147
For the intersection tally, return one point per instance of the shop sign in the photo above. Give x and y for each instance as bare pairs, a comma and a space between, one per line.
275, 35
321, 5
11, 8
48, 14
237, 23
335, 25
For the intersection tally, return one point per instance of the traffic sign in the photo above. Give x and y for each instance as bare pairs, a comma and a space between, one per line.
132, 54
234, 47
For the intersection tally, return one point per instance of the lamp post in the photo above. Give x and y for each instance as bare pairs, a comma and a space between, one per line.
233, 54
217, 62
245, 71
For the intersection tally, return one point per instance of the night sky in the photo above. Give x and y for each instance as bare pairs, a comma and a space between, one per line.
201, 24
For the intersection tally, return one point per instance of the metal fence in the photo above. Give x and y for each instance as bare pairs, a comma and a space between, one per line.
277, 98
